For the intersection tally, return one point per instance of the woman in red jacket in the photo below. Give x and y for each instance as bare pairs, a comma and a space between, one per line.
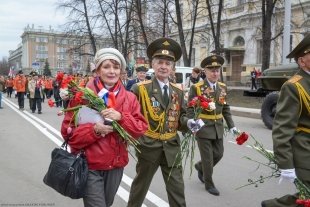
106, 152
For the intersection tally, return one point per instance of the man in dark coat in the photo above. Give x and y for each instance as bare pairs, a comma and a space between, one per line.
210, 136
291, 126
141, 75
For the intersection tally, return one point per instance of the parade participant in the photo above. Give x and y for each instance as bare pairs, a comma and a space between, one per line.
163, 106
2, 87
291, 126
35, 87
124, 77
105, 151
141, 75
20, 87
9, 84
253, 79
210, 136
193, 78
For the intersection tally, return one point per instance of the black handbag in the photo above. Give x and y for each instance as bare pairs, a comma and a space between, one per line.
67, 173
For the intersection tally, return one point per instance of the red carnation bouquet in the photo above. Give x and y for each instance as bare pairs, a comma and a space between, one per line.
304, 191
86, 97
188, 144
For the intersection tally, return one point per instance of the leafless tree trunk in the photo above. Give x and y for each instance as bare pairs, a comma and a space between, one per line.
267, 11
216, 32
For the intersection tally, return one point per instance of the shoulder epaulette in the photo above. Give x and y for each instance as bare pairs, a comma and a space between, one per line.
222, 84
176, 86
144, 82
200, 83
294, 79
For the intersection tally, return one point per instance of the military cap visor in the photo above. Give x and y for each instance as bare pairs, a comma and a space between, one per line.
141, 69
164, 47
301, 49
212, 61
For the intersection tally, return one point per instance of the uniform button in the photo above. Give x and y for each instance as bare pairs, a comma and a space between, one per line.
165, 142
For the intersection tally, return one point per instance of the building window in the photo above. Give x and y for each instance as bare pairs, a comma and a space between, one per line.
239, 2
41, 39
239, 41
259, 51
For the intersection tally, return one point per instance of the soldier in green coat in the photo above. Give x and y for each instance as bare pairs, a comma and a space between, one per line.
210, 136
162, 104
291, 126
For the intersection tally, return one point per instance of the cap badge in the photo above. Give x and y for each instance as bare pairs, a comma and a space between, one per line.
166, 43
214, 63
166, 52
214, 57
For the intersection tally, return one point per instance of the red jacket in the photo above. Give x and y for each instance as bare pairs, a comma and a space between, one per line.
105, 153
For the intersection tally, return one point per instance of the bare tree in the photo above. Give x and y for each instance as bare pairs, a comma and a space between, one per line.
215, 29
267, 12
80, 23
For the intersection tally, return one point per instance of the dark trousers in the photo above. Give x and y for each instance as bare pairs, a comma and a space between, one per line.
253, 83
211, 152
21, 99
9, 91
145, 172
36, 102
101, 187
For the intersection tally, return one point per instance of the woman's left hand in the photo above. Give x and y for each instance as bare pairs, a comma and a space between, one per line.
111, 114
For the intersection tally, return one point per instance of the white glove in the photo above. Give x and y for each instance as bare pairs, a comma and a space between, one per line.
234, 131
287, 174
194, 126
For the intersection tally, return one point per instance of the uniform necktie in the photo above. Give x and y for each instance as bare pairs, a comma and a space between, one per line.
165, 96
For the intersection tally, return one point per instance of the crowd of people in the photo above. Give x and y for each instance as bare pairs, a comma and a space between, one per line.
36, 88
152, 111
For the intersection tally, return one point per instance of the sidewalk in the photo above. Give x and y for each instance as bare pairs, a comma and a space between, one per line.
245, 112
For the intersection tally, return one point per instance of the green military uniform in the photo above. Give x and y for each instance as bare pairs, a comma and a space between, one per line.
210, 136
161, 143
291, 127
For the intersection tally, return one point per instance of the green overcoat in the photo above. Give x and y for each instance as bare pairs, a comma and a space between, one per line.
174, 120
214, 126
291, 137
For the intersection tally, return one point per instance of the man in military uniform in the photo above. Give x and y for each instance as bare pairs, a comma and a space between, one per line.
162, 104
210, 136
291, 126
141, 75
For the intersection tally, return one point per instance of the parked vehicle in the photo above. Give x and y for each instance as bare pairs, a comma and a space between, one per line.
181, 74
271, 82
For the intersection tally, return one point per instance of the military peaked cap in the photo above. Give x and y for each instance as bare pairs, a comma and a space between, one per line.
301, 49
141, 68
212, 61
164, 47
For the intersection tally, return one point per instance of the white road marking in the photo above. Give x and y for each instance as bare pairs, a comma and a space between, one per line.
124, 194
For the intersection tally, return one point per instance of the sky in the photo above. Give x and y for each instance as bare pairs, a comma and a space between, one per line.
15, 15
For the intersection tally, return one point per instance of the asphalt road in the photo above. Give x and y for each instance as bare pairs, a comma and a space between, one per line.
27, 140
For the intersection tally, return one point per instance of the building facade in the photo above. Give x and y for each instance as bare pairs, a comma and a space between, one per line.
241, 38
63, 52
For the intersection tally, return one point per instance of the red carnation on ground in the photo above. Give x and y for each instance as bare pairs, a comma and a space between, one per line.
51, 103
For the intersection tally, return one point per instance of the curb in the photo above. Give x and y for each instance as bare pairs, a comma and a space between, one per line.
245, 112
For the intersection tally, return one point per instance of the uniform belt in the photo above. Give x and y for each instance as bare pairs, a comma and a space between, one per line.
211, 117
159, 136
303, 129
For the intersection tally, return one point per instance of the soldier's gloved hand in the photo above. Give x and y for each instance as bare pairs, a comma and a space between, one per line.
234, 131
287, 174
195, 125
